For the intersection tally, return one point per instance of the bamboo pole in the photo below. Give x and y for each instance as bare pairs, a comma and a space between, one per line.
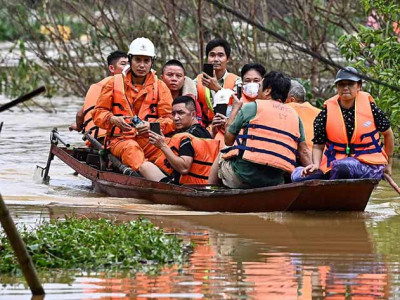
392, 183
18, 245
22, 98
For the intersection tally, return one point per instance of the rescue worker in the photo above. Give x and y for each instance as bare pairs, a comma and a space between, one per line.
136, 92
116, 62
346, 135
268, 136
306, 111
218, 52
187, 156
173, 75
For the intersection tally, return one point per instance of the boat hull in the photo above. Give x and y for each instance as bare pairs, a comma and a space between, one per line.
343, 195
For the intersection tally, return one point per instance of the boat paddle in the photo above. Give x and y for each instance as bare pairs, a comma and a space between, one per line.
23, 98
18, 245
391, 182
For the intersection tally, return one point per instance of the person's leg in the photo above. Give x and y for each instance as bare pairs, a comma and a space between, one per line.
229, 177
151, 172
150, 151
129, 152
297, 177
213, 177
352, 168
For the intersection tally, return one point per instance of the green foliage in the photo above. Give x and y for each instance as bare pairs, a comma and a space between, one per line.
376, 53
94, 245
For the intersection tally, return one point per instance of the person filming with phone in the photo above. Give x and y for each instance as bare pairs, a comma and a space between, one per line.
187, 156
251, 77
214, 77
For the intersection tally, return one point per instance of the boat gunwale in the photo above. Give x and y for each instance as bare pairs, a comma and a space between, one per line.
193, 191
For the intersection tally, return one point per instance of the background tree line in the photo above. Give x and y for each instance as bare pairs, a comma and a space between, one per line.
71, 40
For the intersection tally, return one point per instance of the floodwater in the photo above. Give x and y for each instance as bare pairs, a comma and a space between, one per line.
307, 255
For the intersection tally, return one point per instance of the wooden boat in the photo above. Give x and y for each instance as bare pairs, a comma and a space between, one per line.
343, 195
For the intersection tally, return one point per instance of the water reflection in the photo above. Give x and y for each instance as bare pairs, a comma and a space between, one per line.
256, 256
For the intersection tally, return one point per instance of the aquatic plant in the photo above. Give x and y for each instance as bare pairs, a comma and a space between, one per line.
101, 244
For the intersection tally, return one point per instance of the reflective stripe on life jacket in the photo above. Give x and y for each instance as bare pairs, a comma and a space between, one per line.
205, 99
90, 102
365, 143
307, 114
205, 152
271, 137
122, 107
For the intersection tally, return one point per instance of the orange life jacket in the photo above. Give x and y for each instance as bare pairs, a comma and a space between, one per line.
365, 143
122, 107
307, 114
90, 102
205, 96
272, 137
205, 152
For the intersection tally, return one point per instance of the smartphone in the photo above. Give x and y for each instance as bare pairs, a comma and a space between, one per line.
208, 69
239, 92
155, 127
220, 109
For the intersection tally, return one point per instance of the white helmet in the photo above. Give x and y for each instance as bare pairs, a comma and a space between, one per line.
142, 46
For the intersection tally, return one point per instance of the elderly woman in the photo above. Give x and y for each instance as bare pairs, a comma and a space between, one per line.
347, 135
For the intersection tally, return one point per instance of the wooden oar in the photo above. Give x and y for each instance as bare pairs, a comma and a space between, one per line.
22, 98
392, 183
24, 260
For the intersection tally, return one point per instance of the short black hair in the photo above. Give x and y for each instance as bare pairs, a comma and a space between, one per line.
173, 62
278, 83
115, 56
253, 66
189, 102
216, 43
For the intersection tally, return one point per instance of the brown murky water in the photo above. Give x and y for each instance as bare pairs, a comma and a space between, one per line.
308, 255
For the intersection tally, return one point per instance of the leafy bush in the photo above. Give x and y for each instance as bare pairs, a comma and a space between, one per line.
376, 53
94, 245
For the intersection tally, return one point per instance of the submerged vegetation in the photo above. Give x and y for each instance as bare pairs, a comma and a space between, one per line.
95, 245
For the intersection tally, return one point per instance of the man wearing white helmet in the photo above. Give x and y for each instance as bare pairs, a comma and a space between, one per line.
136, 92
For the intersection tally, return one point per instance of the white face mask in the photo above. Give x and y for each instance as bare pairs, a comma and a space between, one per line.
251, 89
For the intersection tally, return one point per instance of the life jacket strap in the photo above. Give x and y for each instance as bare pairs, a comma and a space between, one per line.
259, 138
87, 110
253, 149
293, 137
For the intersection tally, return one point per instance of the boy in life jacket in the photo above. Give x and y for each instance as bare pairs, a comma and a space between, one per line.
188, 155
136, 92
346, 135
173, 74
263, 139
116, 62
218, 52
307, 112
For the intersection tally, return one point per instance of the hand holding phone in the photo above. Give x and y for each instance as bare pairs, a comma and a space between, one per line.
155, 127
239, 92
220, 109
208, 69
